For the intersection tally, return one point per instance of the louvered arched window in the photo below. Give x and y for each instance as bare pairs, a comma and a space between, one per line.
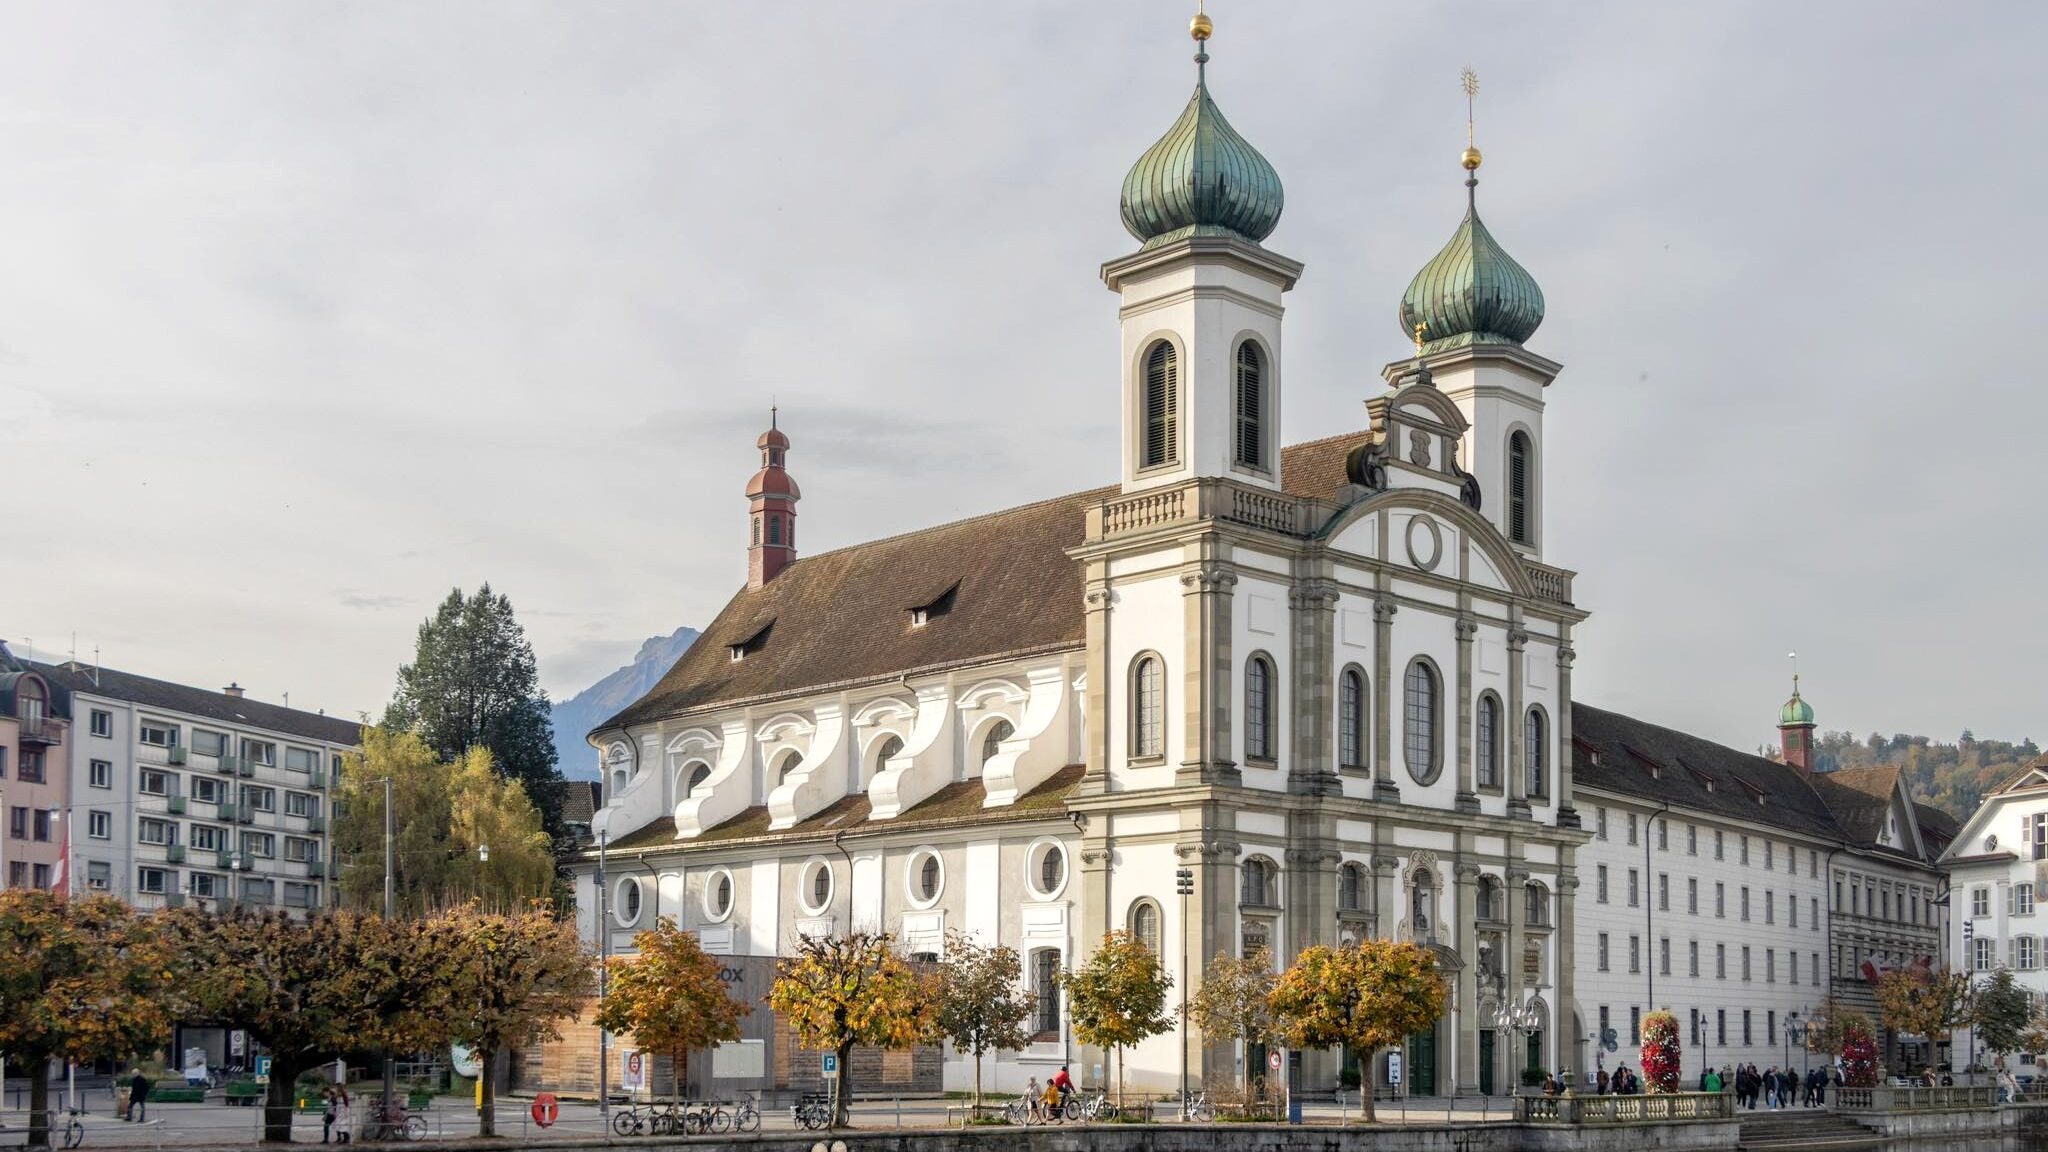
1148, 707
1351, 718
992, 743
1160, 427
1251, 406
1258, 709
1521, 490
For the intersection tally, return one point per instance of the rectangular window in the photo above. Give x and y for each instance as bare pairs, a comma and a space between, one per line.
261, 752
150, 831
1602, 954
1664, 835
299, 849
1747, 1039
3, 762
1720, 900
1813, 907
1813, 969
260, 799
1634, 900
207, 838
1635, 1027
1635, 954
1791, 966
1692, 839
1745, 901
1631, 828
99, 825
1980, 901
1692, 958
42, 875
1600, 823
2025, 951
1770, 965
1745, 961
152, 782
1663, 891
42, 824
156, 733
151, 880
102, 723
30, 769
1720, 845
1663, 955
1791, 910
99, 876
1720, 961
205, 884
1692, 895
1770, 907
209, 743
17, 822
298, 804
100, 774
1045, 983
206, 790
1770, 858
1813, 863
1600, 883
261, 844
1770, 1023
1721, 1026
1605, 1022
1983, 955
1744, 850
301, 759
299, 895
257, 891
2023, 899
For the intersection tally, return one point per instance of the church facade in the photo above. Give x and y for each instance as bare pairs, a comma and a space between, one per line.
1330, 681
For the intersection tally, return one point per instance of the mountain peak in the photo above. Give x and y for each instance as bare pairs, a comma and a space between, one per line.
576, 716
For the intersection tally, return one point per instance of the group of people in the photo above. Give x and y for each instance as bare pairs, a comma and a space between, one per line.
1621, 1083
1047, 1102
1777, 1089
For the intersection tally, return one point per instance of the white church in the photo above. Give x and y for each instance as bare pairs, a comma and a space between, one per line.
1333, 680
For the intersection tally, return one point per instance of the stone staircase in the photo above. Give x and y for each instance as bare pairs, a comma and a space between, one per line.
1804, 1130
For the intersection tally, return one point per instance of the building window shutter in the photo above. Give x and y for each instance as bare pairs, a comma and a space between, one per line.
1162, 406
1251, 407
1518, 488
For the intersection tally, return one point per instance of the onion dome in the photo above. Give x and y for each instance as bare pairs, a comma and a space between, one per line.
1796, 713
1201, 178
1472, 292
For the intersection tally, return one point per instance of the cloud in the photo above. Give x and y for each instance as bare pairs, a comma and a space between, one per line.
368, 603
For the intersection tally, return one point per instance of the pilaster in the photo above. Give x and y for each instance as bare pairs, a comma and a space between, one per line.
1517, 722
1383, 787
1385, 896
1566, 1047
1206, 591
1468, 799
1096, 602
1567, 816
1212, 912
1466, 1002
1312, 769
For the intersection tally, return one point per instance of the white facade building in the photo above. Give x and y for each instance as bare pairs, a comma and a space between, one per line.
1997, 872
179, 793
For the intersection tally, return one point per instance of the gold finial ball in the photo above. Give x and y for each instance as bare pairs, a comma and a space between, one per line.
1201, 26
1470, 159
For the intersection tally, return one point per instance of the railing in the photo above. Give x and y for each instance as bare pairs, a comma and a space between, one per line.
1885, 1098
1208, 498
1644, 1109
1263, 510
41, 729
1145, 510
1552, 584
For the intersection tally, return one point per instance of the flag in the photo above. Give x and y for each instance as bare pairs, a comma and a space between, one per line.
61, 882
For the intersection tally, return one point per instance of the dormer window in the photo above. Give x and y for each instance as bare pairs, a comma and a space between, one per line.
940, 605
754, 641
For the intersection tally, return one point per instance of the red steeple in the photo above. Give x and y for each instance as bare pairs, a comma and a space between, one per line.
772, 497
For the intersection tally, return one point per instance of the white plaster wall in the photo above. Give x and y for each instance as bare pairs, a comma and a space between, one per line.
1261, 621
1147, 615
1494, 400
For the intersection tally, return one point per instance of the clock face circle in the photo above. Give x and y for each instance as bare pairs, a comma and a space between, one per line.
1991, 842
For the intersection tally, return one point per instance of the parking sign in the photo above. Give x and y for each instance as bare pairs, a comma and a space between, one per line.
831, 1063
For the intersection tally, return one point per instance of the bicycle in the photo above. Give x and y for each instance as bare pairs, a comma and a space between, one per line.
393, 1122
1091, 1108
632, 1122
74, 1128
1195, 1107
813, 1113
707, 1118
664, 1121
746, 1116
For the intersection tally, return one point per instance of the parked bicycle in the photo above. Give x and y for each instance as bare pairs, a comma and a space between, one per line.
393, 1122
635, 1120
813, 1112
746, 1116
1195, 1107
1097, 1106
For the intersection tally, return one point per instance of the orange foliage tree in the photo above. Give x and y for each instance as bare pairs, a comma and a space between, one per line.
1369, 995
506, 981
839, 991
670, 997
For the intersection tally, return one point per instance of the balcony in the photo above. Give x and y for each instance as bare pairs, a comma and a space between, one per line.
317, 869
175, 804
1552, 584
229, 809
227, 857
245, 815
175, 853
316, 823
42, 729
245, 766
227, 765
174, 899
317, 782
175, 755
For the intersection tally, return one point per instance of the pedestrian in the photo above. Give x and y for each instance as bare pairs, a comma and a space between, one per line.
1031, 1098
327, 1114
341, 1109
1601, 1085
1710, 1081
138, 1097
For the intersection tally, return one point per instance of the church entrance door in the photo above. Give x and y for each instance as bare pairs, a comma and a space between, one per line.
1486, 1061
1422, 1063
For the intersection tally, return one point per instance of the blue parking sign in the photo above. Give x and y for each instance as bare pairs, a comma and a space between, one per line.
831, 1063
263, 1067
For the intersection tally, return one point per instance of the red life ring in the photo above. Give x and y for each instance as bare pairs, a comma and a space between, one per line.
545, 1109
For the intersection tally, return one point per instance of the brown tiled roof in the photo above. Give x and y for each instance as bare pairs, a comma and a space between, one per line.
957, 803
580, 800
844, 616
1615, 752
1859, 798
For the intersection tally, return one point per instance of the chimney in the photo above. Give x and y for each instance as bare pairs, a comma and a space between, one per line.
772, 497
234, 690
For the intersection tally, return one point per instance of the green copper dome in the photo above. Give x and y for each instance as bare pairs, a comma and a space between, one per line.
1201, 179
1472, 292
1795, 713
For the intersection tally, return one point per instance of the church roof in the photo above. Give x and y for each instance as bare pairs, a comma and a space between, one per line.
844, 616
1472, 292
1201, 179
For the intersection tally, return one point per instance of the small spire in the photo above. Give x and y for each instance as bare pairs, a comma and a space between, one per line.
773, 409
1794, 658
1201, 28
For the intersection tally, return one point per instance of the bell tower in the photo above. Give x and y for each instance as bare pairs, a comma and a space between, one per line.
1200, 302
772, 495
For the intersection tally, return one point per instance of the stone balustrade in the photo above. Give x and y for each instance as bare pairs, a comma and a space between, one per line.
1647, 1108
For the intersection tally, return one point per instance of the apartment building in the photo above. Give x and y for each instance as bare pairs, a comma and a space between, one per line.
182, 794
1997, 869
35, 727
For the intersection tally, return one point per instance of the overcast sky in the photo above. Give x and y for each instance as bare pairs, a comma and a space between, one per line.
310, 312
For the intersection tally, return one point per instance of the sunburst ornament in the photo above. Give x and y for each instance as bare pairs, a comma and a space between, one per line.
1469, 81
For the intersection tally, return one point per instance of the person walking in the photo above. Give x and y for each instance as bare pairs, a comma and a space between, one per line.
1710, 1081
138, 1098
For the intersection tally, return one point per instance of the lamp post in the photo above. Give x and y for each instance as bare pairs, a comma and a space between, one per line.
1699, 1029
604, 956
1519, 1020
1794, 1031
1184, 886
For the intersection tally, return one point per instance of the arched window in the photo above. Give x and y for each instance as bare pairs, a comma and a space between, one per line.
757, 529
1256, 888
1351, 719
1160, 427
1521, 494
1145, 924
1487, 905
775, 529
1535, 903
699, 773
1536, 752
1251, 407
1352, 887
1258, 709
1487, 754
886, 749
992, 743
1419, 738
784, 767
1148, 707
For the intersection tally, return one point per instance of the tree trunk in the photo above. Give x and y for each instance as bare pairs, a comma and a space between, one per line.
39, 1104
682, 1063
977, 1083
1118, 1053
1365, 1112
487, 1116
277, 1099
840, 1113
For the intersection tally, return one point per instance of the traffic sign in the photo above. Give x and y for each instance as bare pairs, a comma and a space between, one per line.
1273, 1060
263, 1067
1394, 1069
831, 1061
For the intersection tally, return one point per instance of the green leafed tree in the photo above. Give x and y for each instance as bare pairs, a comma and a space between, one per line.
81, 980
982, 1003
669, 997
2001, 1012
510, 979
1234, 1002
445, 814
1117, 998
473, 683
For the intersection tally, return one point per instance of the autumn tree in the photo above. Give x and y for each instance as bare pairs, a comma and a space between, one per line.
83, 980
840, 991
1117, 998
2000, 1012
1235, 1000
982, 1002
507, 980
669, 997
310, 989
1859, 1051
445, 813
1930, 1003
473, 683
1824, 1031
1369, 995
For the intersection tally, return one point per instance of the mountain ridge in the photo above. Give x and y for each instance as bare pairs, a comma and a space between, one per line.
576, 716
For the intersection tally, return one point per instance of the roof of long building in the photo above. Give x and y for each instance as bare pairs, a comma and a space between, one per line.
163, 695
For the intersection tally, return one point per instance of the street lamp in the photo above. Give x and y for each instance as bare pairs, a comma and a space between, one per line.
1699, 1029
1794, 1030
1184, 885
1520, 1020
483, 853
